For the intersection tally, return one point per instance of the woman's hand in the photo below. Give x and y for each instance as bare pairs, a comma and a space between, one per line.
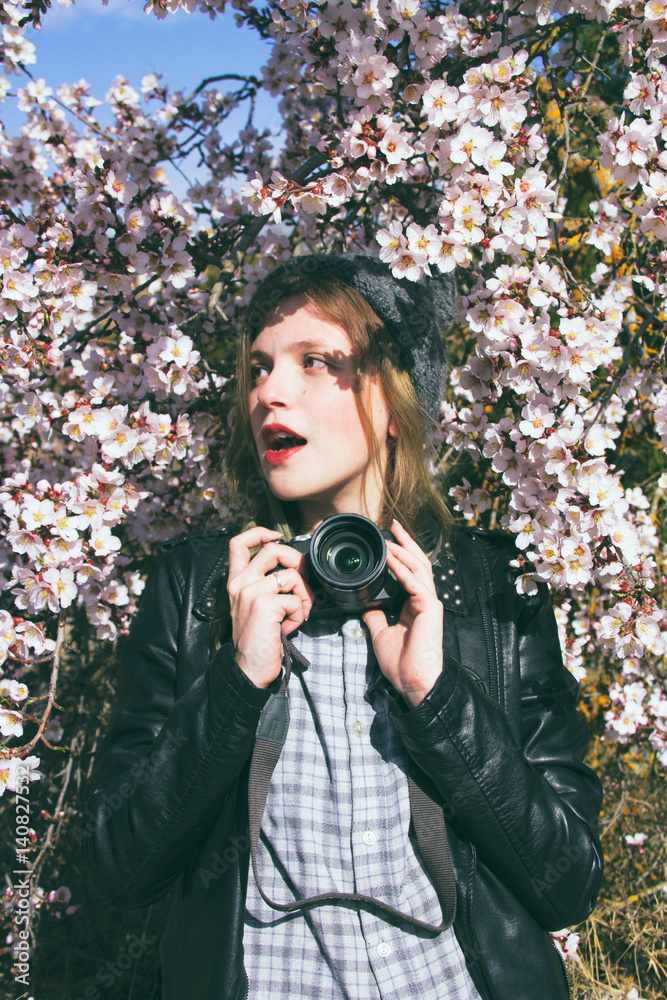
259, 606
410, 652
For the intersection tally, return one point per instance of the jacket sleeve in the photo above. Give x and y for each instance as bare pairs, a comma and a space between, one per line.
530, 809
167, 764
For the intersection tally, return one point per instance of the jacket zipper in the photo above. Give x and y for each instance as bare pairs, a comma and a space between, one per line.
490, 653
567, 977
487, 640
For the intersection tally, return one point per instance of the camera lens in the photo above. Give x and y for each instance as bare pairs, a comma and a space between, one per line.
348, 555
347, 560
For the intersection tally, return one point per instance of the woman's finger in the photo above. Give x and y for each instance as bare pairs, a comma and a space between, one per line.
415, 584
274, 555
405, 576
423, 571
240, 546
295, 614
407, 541
243, 569
290, 580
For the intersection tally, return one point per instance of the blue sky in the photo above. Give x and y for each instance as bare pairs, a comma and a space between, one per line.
97, 43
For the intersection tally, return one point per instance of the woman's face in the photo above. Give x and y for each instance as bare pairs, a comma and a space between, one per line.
303, 378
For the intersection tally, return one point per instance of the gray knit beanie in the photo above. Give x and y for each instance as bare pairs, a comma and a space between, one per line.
415, 313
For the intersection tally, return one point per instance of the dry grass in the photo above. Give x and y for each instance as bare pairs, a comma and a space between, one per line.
624, 942
623, 946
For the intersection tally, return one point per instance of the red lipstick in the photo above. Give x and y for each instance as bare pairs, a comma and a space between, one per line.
276, 457
273, 434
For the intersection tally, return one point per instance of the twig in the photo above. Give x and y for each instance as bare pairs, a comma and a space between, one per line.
56, 822
89, 326
251, 109
622, 369
444, 460
252, 80
196, 336
594, 64
566, 109
504, 22
566, 159
617, 813
181, 172
24, 750
625, 564
619, 904
250, 232
88, 122
558, 260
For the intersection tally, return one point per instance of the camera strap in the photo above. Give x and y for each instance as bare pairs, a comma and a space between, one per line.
427, 816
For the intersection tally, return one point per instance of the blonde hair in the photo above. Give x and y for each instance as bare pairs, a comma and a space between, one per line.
409, 487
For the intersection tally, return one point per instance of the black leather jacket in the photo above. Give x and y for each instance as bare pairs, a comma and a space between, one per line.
498, 735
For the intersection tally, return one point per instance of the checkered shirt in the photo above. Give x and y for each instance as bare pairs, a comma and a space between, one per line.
336, 820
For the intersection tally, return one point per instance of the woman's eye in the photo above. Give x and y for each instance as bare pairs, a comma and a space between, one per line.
310, 361
318, 363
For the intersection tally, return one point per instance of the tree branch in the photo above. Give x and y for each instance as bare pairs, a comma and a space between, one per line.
24, 750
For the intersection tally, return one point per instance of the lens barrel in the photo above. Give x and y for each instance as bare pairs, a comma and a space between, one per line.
348, 556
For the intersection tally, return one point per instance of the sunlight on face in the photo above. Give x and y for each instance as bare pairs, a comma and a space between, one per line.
303, 378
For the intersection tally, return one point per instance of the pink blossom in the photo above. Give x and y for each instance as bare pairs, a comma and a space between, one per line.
537, 417
15, 770
395, 146
259, 198
10, 723
61, 583
61, 895
444, 104
372, 76
13, 689
103, 542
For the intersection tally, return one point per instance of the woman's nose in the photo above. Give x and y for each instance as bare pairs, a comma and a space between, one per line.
277, 389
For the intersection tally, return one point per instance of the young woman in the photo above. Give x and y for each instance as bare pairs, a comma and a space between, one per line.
428, 779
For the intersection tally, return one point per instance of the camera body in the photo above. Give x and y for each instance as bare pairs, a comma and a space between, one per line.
346, 557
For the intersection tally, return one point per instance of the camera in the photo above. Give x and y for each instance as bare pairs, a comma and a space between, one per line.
346, 557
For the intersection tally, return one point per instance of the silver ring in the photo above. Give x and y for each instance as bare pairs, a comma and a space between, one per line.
279, 581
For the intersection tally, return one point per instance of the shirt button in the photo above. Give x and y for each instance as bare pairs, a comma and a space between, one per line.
384, 949
359, 633
358, 726
368, 837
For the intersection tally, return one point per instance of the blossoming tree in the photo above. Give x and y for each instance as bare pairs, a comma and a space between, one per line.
521, 145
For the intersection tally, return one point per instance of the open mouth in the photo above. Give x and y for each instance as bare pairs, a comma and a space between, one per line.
283, 447
284, 443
